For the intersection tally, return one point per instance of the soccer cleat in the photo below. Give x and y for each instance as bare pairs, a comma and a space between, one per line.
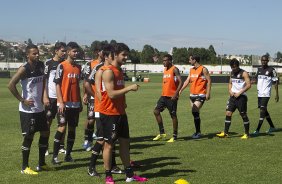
270, 130
171, 140
68, 158
45, 168
62, 151
116, 170
46, 153
245, 136
196, 135
29, 171
87, 145
222, 135
256, 133
92, 172
136, 178
159, 137
110, 180
55, 161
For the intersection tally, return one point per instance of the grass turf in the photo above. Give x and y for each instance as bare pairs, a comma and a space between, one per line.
207, 160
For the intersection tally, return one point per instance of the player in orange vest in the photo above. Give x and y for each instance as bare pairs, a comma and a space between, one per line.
68, 76
200, 88
172, 83
113, 116
89, 99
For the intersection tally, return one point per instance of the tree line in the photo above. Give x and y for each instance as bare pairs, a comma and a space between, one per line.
148, 54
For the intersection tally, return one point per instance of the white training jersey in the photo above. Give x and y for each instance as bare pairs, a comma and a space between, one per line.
32, 87
238, 82
50, 72
265, 76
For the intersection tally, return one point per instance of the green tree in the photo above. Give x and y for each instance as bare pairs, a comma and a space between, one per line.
134, 56
147, 54
180, 55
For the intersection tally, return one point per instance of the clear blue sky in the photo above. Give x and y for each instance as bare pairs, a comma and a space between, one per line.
231, 26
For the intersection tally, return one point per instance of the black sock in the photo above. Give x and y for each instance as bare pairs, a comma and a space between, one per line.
90, 128
58, 137
175, 134
95, 154
108, 173
269, 120
161, 128
42, 144
227, 124
197, 121
128, 172
26, 150
246, 124
114, 164
86, 132
70, 141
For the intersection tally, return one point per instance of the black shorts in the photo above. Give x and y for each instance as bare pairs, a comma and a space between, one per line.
90, 109
33, 122
198, 98
263, 101
70, 117
52, 108
99, 127
114, 127
239, 103
166, 102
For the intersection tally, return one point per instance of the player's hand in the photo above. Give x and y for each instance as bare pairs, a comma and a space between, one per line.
61, 108
85, 99
208, 97
29, 102
46, 101
276, 98
174, 97
134, 87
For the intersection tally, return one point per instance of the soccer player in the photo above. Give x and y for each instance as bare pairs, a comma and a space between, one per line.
67, 79
200, 89
95, 77
113, 116
265, 75
239, 83
32, 116
89, 100
50, 96
172, 83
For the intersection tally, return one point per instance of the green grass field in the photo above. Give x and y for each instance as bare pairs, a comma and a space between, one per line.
204, 161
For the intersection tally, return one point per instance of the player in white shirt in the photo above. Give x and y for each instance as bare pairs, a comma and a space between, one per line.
265, 76
238, 85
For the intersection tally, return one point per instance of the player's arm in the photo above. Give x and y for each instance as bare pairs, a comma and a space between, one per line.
208, 78
185, 84
247, 86
254, 79
276, 91
230, 87
108, 78
180, 83
46, 100
12, 85
98, 82
58, 81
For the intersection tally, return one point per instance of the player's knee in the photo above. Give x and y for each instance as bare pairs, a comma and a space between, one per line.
156, 112
91, 116
263, 110
228, 113
173, 114
244, 116
90, 125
